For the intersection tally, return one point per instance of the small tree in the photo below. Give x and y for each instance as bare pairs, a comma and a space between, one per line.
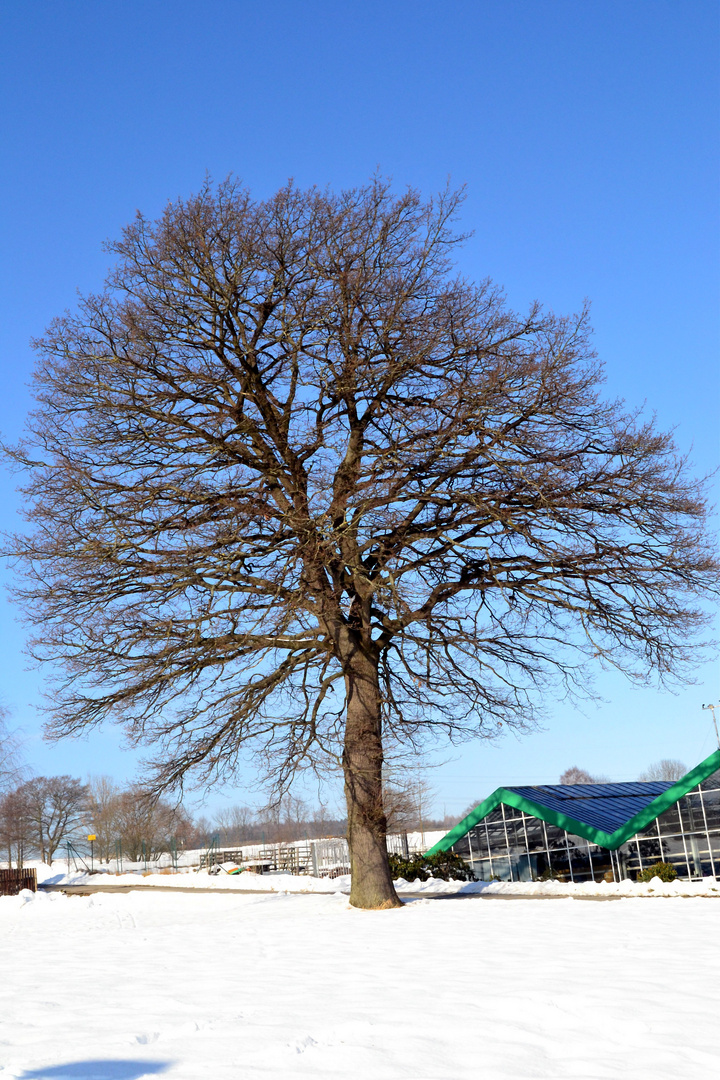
298, 488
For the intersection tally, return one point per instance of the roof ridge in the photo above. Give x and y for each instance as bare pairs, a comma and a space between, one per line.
613, 840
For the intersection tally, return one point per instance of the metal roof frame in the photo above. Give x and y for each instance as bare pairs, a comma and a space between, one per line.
611, 841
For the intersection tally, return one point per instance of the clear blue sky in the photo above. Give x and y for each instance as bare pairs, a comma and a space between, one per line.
587, 135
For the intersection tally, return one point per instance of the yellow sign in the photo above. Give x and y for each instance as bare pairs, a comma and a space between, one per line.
92, 836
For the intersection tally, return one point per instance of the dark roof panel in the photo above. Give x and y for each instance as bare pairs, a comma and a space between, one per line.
605, 814
602, 806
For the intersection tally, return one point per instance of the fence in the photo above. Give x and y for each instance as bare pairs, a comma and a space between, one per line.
287, 858
12, 881
321, 858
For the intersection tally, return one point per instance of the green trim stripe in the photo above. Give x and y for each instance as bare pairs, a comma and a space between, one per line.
612, 841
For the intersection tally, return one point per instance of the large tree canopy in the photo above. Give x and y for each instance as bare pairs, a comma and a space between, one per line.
297, 487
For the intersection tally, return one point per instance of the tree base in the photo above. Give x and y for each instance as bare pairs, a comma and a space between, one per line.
368, 904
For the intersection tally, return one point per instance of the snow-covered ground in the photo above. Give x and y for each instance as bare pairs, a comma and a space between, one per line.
197, 986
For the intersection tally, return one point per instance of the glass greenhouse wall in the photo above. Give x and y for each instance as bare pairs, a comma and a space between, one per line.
512, 845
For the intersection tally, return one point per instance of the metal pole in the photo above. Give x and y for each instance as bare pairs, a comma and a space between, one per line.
637, 844
547, 847
682, 834
712, 710
707, 832
487, 836
507, 840
527, 842
567, 848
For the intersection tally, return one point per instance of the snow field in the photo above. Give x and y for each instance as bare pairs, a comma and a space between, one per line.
128, 986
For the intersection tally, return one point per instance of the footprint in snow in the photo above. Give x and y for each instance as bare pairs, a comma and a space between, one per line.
147, 1038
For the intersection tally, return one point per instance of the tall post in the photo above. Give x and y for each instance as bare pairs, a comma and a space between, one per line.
715, 725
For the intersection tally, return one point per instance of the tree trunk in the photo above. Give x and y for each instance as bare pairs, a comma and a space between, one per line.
372, 885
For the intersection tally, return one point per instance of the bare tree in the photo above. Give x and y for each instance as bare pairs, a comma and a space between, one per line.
149, 825
14, 826
201, 833
666, 769
407, 798
284, 819
399, 806
576, 775
235, 824
11, 767
299, 489
55, 809
322, 821
104, 807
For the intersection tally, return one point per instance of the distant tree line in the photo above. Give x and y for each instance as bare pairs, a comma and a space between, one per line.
408, 807
126, 820
40, 814
668, 769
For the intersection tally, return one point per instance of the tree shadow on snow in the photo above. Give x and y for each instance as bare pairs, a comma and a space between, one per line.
97, 1070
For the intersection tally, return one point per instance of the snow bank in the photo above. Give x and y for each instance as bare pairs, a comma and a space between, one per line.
602, 889
656, 887
288, 883
201, 879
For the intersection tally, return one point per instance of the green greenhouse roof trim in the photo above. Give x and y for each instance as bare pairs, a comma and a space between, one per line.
612, 841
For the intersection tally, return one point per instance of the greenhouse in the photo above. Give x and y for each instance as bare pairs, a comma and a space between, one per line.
582, 832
